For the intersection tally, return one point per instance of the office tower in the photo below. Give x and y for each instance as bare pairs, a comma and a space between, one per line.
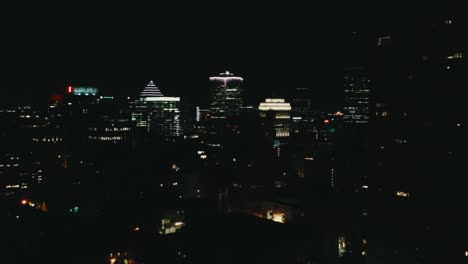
302, 120
277, 113
74, 113
79, 101
275, 118
112, 124
202, 118
226, 92
201, 115
353, 171
324, 126
19, 172
140, 111
357, 97
157, 114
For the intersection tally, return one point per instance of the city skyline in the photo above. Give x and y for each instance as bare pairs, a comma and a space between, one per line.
300, 134
306, 51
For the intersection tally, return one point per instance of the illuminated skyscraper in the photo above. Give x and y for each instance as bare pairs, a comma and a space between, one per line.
159, 115
276, 114
112, 124
226, 95
302, 121
357, 97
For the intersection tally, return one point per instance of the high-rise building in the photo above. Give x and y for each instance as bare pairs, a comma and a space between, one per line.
277, 115
201, 115
353, 171
75, 113
19, 172
79, 102
357, 97
226, 92
112, 124
157, 114
302, 121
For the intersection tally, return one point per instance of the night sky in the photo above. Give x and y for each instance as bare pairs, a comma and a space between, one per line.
119, 47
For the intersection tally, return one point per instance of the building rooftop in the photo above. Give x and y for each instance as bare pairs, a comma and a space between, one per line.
151, 90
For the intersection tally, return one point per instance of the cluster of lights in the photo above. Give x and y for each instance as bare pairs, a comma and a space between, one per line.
121, 258
226, 77
117, 129
36, 205
175, 167
26, 202
402, 194
341, 246
277, 217
274, 104
9, 165
169, 227
52, 139
160, 99
381, 40
116, 138
457, 55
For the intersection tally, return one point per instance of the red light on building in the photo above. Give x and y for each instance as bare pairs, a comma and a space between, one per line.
326, 121
70, 89
57, 97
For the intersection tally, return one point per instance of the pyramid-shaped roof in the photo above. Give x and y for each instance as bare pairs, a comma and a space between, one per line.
151, 90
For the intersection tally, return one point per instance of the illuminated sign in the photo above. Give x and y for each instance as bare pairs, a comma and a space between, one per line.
83, 90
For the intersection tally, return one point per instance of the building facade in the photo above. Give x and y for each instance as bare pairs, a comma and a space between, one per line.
276, 113
157, 114
226, 93
357, 97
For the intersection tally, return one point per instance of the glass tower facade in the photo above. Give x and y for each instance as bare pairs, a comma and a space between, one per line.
159, 115
226, 93
357, 97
